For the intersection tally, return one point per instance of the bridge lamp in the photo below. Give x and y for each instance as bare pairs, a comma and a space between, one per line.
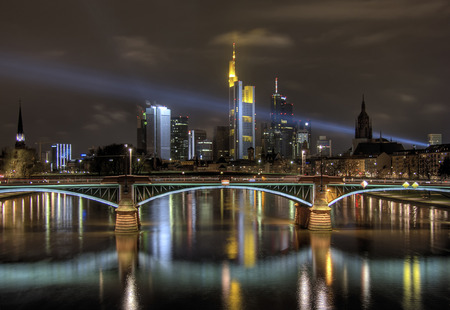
131, 150
364, 184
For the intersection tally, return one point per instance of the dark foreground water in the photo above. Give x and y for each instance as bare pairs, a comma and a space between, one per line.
222, 249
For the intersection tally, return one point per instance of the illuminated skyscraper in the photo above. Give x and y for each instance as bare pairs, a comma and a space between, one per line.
179, 138
20, 136
280, 136
61, 156
158, 131
241, 114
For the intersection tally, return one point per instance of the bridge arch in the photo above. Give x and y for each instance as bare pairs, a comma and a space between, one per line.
33, 189
381, 189
291, 197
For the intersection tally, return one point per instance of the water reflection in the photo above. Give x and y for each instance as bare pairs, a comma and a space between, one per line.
230, 249
127, 256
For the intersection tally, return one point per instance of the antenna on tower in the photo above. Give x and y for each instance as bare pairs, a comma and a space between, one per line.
276, 85
234, 51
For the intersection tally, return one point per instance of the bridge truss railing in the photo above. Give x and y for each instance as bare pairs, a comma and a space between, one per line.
302, 191
104, 192
336, 192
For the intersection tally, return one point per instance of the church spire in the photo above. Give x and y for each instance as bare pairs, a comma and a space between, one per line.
363, 105
20, 137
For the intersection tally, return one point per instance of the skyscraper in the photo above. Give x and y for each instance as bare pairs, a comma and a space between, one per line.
241, 114
61, 156
158, 131
303, 137
20, 136
179, 138
141, 131
221, 143
280, 136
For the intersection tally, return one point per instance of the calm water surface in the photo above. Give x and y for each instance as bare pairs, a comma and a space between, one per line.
222, 249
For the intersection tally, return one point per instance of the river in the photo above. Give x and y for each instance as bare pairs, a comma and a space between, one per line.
222, 249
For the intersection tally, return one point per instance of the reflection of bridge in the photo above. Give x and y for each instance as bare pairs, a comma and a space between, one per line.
128, 192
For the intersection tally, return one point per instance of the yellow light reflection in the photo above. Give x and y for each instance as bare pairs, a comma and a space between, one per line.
249, 248
329, 269
411, 284
232, 246
235, 298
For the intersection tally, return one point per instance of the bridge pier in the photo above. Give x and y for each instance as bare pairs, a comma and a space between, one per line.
320, 216
127, 217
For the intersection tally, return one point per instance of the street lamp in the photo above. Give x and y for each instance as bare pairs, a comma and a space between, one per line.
131, 150
321, 168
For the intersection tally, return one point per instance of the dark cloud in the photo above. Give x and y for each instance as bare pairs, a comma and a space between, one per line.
81, 67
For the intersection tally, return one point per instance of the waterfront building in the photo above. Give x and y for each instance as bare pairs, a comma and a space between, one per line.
179, 144
241, 114
419, 163
20, 136
61, 156
158, 131
434, 139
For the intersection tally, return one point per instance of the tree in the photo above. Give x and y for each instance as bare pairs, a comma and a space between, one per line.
21, 163
110, 160
444, 168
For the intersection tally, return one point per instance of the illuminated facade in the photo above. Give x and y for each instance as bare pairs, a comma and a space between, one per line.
158, 131
20, 136
434, 139
280, 137
200, 148
61, 156
179, 138
324, 146
241, 114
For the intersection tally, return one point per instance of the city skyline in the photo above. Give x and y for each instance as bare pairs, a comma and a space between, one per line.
80, 70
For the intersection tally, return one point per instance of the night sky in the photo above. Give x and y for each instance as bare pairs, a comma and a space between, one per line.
82, 67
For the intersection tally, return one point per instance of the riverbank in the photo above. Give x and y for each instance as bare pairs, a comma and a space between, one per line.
418, 198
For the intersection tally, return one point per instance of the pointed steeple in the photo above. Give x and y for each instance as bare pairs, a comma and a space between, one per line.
363, 123
20, 137
363, 105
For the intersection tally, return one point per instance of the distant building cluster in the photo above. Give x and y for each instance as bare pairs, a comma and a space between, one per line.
281, 145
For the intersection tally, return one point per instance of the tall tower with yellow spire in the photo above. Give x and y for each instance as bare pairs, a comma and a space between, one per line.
232, 77
241, 115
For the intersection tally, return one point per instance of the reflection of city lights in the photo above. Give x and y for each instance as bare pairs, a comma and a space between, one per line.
365, 278
329, 269
131, 294
304, 291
